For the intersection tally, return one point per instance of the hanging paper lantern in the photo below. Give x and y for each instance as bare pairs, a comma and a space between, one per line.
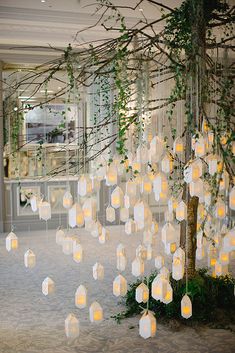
172, 204
71, 326
130, 227
224, 181
98, 271
224, 257
210, 137
11, 242
220, 210
200, 253
178, 146
136, 166
168, 233
146, 185
229, 241
142, 214
111, 175
177, 268
154, 227
170, 248
110, 214
212, 255
124, 214
164, 273
142, 154
169, 294
181, 211
89, 209
142, 293
157, 147
119, 286
96, 229
186, 307
196, 189
159, 288
34, 203
167, 163
207, 198
29, 259
232, 199
141, 252
160, 184
147, 325
104, 236
149, 252
84, 185
67, 200
121, 262
137, 267
81, 297
95, 183
44, 210
48, 286
212, 161
76, 216
121, 250
199, 147
60, 236
220, 270
131, 188
129, 201
159, 261
117, 197
77, 252
96, 312
193, 171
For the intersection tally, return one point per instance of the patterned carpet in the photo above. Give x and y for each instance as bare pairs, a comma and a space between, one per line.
32, 323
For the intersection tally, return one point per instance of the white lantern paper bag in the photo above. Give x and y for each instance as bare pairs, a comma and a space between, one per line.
124, 214
178, 146
147, 325
89, 209
186, 307
71, 326
137, 267
232, 199
84, 185
81, 297
67, 200
110, 214
77, 252
60, 235
44, 210
130, 227
121, 262
111, 176
104, 236
168, 233
29, 259
11, 242
141, 252
96, 312
98, 271
117, 197
142, 293
48, 286
76, 216
181, 211
119, 286
159, 288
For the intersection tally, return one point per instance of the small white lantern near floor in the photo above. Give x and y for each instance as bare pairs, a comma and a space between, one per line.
186, 307
60, 235
67, 200
147, 325
71, 326
29, 259
104, 236
67, 245
44, 210
81, 297
110, 214
77, 252
98, 271
11, 242
137, 267
96, 312
142, 293
119, 286
48, 286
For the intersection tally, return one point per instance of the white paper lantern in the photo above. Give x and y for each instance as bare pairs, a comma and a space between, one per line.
60, 235
193, 171
81, 297
141, 252
172, 204
181, 211
197, 189
67, 200
142, 293
177, 268
29, 259
146, 186
168, 233
224, 181
117, 197
98, 271
220, 210
199, 147
34, 203
121, 250
104, 236
212, 161
124, 214
200, 253
96, 312
142, 214
178, 146
154, 227
157, 147
159, 288
119, 286
48, 286
229, 241
170, 248
169, 294
224, 257
96, 229
232, 199
130, 227
84, 185
137, 267
159, 261
147, 325
89, 209
186, 307
12, 242
167, 163
110, 214
111, 175
131, 188
121, 262
76, 216
71, 326
44, 210
220, 270
160, 184
77, 252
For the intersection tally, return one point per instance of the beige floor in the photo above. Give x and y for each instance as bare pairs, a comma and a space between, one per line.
32, 323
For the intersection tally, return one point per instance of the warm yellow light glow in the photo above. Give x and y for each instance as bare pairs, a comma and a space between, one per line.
97, 315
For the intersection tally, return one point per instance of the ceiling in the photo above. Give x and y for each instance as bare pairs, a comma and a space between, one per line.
29, 28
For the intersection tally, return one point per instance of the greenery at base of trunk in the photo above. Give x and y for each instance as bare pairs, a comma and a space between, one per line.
210, 297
